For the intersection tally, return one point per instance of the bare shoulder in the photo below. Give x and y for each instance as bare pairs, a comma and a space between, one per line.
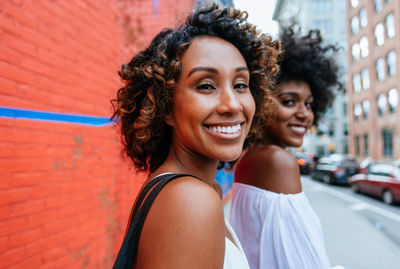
185, 226
273, 168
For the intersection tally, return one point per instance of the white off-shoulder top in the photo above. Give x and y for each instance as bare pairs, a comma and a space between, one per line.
235, 258
277, 231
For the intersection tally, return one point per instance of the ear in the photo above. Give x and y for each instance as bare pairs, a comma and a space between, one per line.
169, 119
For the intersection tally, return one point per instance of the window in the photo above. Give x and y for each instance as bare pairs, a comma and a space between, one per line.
365, 78
363, 17
355, 25
393, 100
358, 151
379, 34
364, 46
391, 62
354, 3
356, 82
381, 104
365, 108
380, 69
355, 51
378, 5
321, 6
390, 30
366, 148
357, 111
387, 143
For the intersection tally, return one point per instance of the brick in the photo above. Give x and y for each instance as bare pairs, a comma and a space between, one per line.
26, 208
24, 237
31, 262
11, 226
19, 14
14, 195
10, 257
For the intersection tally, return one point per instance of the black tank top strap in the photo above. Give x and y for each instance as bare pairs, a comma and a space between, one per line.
128, 251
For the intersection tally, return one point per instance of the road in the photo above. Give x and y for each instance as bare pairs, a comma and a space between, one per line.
360, 232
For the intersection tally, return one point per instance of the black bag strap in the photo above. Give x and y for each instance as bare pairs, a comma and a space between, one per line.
128, 251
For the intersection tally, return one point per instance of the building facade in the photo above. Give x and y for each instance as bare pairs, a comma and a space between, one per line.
373, 84
329, 17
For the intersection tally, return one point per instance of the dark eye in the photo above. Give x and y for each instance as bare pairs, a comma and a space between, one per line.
288, 102
241, 86
205, 86
309, 104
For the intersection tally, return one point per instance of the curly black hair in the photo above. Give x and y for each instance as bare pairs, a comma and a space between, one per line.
306, 58
150, 80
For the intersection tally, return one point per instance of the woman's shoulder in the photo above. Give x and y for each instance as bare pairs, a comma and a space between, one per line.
186, 217
271, 168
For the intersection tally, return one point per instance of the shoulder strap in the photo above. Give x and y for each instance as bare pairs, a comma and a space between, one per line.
128, 251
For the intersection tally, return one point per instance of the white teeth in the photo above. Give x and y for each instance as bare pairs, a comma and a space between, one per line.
298, 129
226, 129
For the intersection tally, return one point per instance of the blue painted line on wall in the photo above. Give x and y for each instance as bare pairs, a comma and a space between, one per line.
27, 114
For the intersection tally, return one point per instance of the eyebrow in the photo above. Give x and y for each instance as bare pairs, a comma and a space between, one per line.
214, 70
292, 93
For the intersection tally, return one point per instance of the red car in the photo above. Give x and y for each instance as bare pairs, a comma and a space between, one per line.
381, 180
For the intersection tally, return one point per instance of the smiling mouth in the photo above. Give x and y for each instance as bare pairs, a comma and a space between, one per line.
224, 129
299, 130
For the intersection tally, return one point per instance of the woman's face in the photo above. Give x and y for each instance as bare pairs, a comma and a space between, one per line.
212, 107
294, 115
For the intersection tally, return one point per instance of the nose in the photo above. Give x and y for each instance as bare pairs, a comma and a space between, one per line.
229, 102
304, 112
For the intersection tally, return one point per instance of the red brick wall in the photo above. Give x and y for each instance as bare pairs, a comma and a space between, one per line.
65, 193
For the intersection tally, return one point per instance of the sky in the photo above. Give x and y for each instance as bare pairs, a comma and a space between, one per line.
260, 13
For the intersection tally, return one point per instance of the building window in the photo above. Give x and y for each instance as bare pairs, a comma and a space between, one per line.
366, 148
363, 17
355, 51
393, 100
325, 26
379, 34
357, 111
391, 62
364, 46
321, 6
354, 3
365, 78
358, 150
365, 108
356, 82
390, 28
378, 5
381, 104
387, 143
380, 69
355, 25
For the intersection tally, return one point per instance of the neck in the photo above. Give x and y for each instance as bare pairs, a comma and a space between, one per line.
185, 162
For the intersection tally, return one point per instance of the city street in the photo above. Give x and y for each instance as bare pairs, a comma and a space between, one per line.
361, 232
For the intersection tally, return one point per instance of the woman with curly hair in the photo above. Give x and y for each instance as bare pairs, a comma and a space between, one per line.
272, 217
188, 102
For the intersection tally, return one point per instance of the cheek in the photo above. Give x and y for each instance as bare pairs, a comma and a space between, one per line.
249, 105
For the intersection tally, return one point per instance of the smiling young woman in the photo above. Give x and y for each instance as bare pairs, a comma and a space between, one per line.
193, 98
270, 214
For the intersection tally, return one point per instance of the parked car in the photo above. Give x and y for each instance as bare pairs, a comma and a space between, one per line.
335, 169
305, 161
381, 180
397, 163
